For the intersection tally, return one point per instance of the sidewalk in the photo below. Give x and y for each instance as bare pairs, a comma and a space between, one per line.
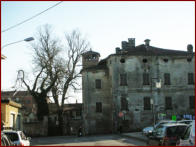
135, 135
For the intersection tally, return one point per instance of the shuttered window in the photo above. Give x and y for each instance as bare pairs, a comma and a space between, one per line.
167, 79
98, 107
146, 80
191, 78
98, 83
123, 79
147, 105
192, 102
168, 103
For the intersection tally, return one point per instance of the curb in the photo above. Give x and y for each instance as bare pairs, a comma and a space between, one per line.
134, 137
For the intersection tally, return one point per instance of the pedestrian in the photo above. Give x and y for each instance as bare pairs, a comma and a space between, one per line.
120, 129
80, 131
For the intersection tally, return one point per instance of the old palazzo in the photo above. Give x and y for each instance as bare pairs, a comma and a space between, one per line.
136, 86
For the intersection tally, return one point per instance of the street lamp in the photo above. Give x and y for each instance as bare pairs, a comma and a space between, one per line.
153, 101
26, 39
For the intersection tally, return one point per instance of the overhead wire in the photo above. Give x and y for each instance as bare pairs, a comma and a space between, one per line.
31, 17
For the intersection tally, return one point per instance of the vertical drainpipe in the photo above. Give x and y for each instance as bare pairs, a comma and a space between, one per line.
87, 104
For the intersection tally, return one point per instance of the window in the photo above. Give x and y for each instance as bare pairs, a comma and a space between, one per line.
147, 105
167, 79
124, 103
146, 80
123, 79
98, 107
98, 83
190, 78
145, 60
192, 102
168, 103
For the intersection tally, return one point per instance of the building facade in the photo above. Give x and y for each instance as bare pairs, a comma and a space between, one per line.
137, 86
11, 116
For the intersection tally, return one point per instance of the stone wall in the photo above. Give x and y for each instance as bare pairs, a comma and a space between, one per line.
35, 129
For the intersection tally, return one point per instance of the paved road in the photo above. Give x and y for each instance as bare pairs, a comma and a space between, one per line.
98, 140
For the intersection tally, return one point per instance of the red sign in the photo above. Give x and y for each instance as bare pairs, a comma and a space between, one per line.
120, 114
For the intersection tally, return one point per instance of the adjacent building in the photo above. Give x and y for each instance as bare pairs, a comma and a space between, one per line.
137, 86
11, 116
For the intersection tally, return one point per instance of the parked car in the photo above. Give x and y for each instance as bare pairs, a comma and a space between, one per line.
188, 138
167, 134
185, 121
18, 137
149, 130
5, 140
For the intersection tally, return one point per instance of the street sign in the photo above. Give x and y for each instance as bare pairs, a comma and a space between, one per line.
120, 114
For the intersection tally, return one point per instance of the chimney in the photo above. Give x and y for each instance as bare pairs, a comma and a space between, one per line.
124, 45
117, 49
131, 42
147, 42
189, 48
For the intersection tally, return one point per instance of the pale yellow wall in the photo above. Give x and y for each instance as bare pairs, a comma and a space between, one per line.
6, 111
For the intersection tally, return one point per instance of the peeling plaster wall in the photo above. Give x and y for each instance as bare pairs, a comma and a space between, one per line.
136, 117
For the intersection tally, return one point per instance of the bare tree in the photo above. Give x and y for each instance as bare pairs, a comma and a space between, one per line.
75, 46
45, 52
57, 69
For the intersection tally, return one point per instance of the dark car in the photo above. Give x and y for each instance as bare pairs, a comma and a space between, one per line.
167, 134
5, 140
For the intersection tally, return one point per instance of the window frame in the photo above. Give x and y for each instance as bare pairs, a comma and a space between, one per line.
146, 79
147, 104
168, 103
191, 79
98, 84
123, 79
99, 107
167, 79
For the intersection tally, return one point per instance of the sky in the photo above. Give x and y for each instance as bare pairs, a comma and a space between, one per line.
169, 25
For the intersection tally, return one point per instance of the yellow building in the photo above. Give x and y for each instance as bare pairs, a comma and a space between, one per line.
10, 114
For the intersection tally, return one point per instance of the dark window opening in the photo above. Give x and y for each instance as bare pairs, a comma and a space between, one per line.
98, 107
146, 79
167, 79
147, 105
192, 102
168, 103
145, 60
189, 59
122, 60
165, 60
191, 79
123, 79
124, 103
98, 83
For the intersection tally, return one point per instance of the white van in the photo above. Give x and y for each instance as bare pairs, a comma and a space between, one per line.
188, 138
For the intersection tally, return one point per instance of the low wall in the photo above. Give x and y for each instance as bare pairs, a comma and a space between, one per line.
35, 129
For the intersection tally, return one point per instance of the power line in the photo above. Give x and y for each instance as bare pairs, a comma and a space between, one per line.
31, 17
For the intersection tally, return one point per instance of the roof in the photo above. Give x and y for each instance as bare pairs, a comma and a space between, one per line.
155, 51
12, 103
140, 50
91, 53
18, 93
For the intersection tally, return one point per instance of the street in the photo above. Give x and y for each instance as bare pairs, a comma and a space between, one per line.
98, 140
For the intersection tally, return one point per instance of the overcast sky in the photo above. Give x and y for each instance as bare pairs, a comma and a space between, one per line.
169, 25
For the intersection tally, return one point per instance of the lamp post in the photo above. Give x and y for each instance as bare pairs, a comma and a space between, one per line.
153, 101
26, 39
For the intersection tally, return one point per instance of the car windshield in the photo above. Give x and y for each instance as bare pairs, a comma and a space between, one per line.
175, 131
13, 136
22, 135
187, 133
